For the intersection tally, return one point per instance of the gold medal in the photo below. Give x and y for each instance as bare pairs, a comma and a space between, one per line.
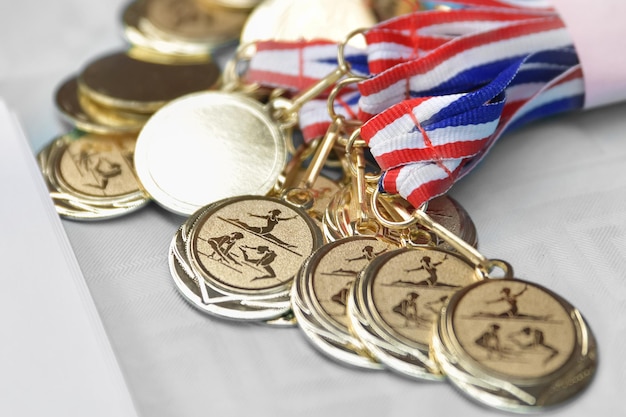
92, 176
397, 299
341, 212
320, 296
387, 9
86, 115
231, 4
241, 255
208, 146
289, 20
181, 28
514, 345
122, 82
217, 135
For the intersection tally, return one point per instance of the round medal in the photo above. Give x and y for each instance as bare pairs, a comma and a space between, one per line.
398, 297
88, 116
208, 146
123, 82
242, 254
514, 345
321, 292
340, 214
288, 20
92, 177
181, 27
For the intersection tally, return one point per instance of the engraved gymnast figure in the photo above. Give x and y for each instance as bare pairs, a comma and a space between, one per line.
490, 341
341, 297
533, 338
511, 299
408, 308
272, 219
222, 245
104, 171
436, 305
265, 259
431, 268
368, 254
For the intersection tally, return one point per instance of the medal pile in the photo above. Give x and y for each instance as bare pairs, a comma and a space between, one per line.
322, 232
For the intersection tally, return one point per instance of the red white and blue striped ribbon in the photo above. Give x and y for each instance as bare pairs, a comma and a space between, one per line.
443, 86
425, 144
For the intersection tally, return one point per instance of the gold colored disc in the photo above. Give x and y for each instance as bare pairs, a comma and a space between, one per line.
289, 20
323, 289
515, 345
252, 244
205, 147
122, 82
237, 258
92, 176
342, 209
181, 27
88, 116
387, 9
232, 4
398, 298
451, 215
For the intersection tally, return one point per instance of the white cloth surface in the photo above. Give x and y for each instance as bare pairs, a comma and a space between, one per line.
550, 199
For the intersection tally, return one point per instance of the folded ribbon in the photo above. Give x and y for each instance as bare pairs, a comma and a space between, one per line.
442, 86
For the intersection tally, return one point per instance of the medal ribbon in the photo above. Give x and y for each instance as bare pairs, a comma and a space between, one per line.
443, 86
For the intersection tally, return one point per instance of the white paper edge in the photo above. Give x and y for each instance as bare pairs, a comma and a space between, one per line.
110, 386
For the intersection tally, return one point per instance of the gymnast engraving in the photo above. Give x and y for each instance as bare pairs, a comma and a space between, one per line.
408, 309
222, 246
532, 338
511, 299
427, 265
265, 259
272, 218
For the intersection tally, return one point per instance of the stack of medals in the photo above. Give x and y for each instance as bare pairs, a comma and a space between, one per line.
91, 171
370, 281
390, 289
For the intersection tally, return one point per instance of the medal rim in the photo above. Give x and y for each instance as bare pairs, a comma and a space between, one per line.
135, 16
451, 355
216, 309
221, 286
137, 104
74, 204
168, 198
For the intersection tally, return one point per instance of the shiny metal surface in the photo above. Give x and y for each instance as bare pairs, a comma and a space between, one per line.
514, 345
181, 27
123, 82
91, 177
208, 146
295, 19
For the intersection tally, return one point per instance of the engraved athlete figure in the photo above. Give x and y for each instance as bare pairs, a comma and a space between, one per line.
490, 341
431, 268
265, 259
104, 171
533, 338
436, 305
368, 254
511, 299
222, 245
272, 219
408, 308
341, 297
101, 168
